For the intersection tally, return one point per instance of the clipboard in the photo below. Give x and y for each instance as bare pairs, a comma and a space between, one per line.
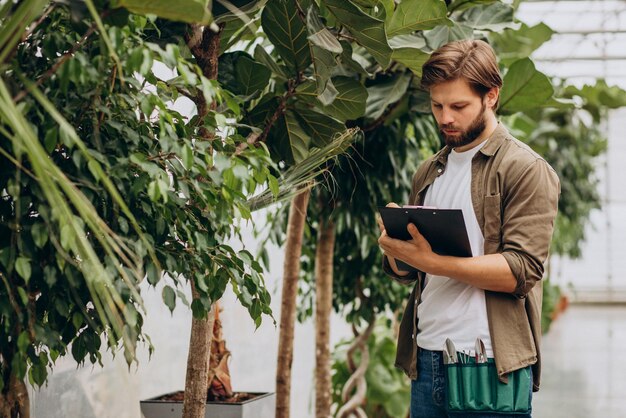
444, 229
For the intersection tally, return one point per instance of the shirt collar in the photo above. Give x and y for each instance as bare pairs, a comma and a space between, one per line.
494, 142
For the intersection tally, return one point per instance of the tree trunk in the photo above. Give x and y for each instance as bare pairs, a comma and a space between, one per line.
355, 388
15, 403
218, 381
291, 271
204, 45
323, 308
194, 404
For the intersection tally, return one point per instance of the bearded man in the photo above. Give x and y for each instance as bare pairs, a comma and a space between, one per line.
508, 195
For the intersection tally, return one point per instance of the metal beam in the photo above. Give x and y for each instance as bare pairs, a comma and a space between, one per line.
590, 32
581, 58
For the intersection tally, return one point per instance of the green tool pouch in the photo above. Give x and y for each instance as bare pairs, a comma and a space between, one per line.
472, 383
473, 386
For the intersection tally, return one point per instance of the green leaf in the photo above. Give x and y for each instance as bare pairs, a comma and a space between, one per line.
51, 139
515, 44
38, 373
241, 74
443, 34
319, 127
368, 31
407, 50
413, 15
251, 75
381, 95
285, 29
524, 87
494, 17
349, 104
273, 185
153, 274
460, 5
67, 237
169, 297
261, 55
288, 140
187, 156
190, 11
319, 34
5, 257
39, 231
23, 268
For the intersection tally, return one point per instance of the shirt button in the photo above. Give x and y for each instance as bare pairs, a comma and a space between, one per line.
439, 171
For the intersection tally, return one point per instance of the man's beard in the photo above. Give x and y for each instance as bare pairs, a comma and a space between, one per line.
467, 136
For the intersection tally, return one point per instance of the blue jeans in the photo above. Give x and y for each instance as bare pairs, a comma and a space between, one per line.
428, 392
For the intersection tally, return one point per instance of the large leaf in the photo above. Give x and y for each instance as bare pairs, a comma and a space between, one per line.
524, 87
287, 140
323, 62
413, 15
286, 30
324, 47
382, 95
262, 56
441, 35
349, 103
319, 34
241, 74
368, 30
459, 5
493, 17
321, 128
190, 11
515, 44
407, 50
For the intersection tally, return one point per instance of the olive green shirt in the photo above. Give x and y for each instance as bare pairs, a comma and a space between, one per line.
515, 194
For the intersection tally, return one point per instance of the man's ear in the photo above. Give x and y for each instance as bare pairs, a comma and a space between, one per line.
492, 97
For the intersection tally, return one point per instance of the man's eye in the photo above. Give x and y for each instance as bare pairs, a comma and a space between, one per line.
458, 107
438, 106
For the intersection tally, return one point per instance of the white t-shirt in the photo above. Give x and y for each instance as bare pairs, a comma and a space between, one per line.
450, 308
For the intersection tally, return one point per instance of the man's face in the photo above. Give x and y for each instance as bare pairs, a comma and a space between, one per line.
459, 111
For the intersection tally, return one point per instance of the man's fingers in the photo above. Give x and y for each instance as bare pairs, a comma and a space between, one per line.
413, 231
392, 205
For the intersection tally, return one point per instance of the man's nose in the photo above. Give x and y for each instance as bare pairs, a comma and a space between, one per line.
446, 116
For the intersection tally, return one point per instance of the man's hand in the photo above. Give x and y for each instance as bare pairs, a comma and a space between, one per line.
383, 232
416, 252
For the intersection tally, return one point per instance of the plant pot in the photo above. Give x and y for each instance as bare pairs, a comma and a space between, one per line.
262, 405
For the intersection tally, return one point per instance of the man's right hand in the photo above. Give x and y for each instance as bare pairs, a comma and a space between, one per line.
392, 261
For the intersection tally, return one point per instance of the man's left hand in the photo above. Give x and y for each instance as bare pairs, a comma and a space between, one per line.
417, 251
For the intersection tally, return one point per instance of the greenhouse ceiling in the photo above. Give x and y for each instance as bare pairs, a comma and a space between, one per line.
589, 40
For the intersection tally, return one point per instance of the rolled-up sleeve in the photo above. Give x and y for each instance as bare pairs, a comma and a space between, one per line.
407, 279
528, 215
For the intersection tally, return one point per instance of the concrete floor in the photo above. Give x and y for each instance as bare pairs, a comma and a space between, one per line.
584, 364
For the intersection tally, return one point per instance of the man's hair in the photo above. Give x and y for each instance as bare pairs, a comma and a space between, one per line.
471, 60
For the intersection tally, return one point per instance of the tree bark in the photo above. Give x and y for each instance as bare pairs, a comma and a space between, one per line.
194, 404
15, 403
218, 381
323, 308
291, 271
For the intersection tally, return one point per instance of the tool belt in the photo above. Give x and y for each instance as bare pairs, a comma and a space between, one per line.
472, 384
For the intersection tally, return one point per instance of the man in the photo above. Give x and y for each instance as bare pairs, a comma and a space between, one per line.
508, 195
